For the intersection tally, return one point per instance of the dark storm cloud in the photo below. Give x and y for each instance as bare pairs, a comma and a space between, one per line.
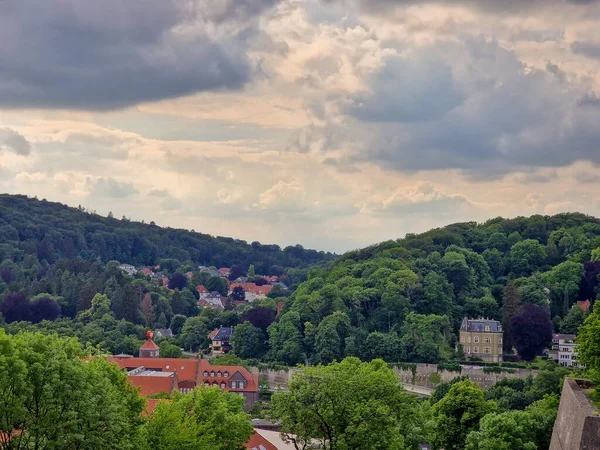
112, 54
409, 90
496, 117
12, 141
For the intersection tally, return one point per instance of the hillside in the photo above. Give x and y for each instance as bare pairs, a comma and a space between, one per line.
404, 300
51, 231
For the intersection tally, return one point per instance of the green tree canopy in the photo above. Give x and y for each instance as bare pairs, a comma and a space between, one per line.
205, 419
348, 405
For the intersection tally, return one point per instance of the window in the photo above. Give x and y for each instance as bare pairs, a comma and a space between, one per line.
219, 374
500, 340
476, 339
233, 385
205, 374
469, 339
241, 384
207, 383
487, 350
462, 339
167, 367
226, 374
475, 349
212, 373
182, 367
215, 383
499, 350
487, 328
468, 349
222, 385
487, 340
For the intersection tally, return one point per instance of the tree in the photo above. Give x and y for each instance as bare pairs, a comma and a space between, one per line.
588, 345
285, 339
347, 405
437, 295
100, 307
177, 323
237, 271
217, 284
251, 271
248, 341
58, 400
178, 281
205, 419
168, 350
511, 303
260, 317
459, 413
532, 331
563, 281
573, 320
15, 307
148, 310
44, 307
238, 294
511, 430
194, 334
526, 256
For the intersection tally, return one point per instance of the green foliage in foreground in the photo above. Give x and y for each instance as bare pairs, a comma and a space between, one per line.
57, 400
206, 419
348, 405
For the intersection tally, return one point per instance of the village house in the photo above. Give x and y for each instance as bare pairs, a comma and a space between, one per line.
482, 338
253, 292
564, 350
224, 272
202, 292
128, 269
149, 349
163, 333
219, 340
154, 375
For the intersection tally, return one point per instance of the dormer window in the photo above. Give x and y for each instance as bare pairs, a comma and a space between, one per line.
222, 385
215, 383
241, 385
212, 373
233, 385
226, 374
205, 374
219, 374
207, 383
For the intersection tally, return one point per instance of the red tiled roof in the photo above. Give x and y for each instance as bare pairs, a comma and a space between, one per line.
165, 282
251, 287
150, 385
213, 333
186, 369
256, 440
202, 290
147, 271
150, 345
585, 305
252, 380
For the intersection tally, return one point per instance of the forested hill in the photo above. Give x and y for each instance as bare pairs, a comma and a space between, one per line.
404, 300
51, 231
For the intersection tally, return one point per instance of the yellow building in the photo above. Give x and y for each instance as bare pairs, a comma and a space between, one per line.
481, 338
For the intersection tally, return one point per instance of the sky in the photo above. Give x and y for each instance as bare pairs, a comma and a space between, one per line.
330, 123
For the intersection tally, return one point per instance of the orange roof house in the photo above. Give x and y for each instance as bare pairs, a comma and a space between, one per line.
258, 442
149, 349
151, 382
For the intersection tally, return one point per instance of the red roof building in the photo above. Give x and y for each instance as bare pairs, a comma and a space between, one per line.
155, 375
149, 349
253, 292
151, 383
258, 442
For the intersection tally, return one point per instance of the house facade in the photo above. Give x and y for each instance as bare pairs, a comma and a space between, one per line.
564, 350
156, 375
482, 338
253, 292
149, 349
219, 340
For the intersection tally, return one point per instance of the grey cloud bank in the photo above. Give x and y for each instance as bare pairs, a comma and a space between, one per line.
112, 54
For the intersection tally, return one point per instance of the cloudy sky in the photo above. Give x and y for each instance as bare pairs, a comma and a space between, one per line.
330, 123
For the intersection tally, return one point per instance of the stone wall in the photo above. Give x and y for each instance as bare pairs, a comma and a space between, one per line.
426, 375
577, 425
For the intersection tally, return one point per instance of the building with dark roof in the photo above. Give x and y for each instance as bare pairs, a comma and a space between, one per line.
482, 338
219, 340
